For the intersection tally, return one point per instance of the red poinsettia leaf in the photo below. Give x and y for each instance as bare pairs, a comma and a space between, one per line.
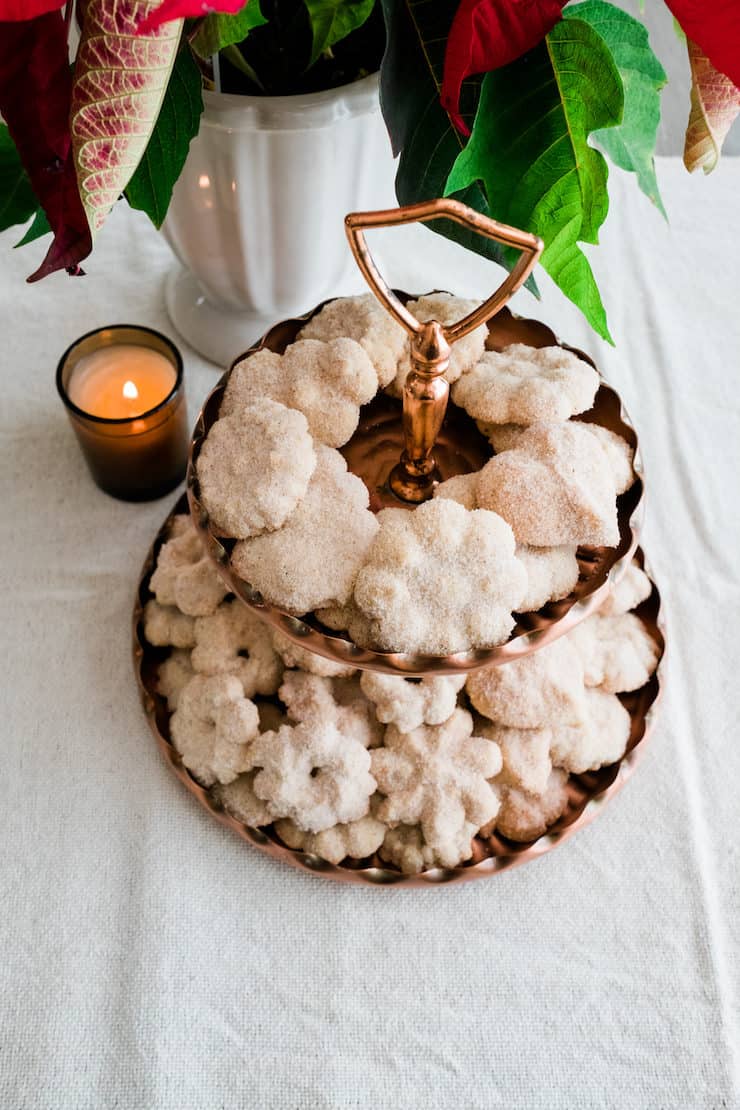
715, 28
35, 93
187, 9
487, 34
12, 11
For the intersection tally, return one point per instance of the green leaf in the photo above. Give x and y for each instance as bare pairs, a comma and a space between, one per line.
17, 199
333, 20
529, 147
150, 188
39, 226
420, 130
631, 145
217, 31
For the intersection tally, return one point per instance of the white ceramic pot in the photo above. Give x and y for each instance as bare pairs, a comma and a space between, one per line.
256, 218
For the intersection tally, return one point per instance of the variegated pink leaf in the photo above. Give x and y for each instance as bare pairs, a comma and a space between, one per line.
119, 84
715, 102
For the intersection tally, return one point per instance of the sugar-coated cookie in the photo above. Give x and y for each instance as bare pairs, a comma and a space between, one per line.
313, 560
314, 774
523, 385
365, 320
327, 382
213, 726
440, 580
254, 468
555, 487
184, 576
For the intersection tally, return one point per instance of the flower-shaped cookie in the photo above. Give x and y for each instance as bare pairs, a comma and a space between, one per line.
630, 591
254, 468
618, 452
183, 576
446, 309
554, 487
440, 579
462, 488
618, 653
365, 320
313, 774
525, 753
436, 777
327, 382
173, 676
534, 691
524, 816
406, 848
408, 703
522, 385
338, 701
212, 727
166, 626
600, 741
240, 801
356, 840
293, 655
234, 641
552, 573
313, 560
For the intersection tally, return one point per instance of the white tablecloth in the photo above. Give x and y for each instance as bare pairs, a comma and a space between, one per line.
151, 960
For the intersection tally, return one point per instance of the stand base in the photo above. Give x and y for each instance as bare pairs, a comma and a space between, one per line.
218, 333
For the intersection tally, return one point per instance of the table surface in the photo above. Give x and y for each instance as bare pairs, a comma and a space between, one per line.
152, 960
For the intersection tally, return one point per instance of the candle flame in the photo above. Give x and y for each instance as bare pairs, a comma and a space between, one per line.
204, 181
130, 390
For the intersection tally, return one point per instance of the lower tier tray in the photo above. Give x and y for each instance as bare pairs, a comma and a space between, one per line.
587, 793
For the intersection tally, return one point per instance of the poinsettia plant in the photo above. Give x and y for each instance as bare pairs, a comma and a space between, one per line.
514, 106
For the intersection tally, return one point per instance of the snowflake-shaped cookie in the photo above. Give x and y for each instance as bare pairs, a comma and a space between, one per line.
327, 382
338, 701
234, 641
313, 560
240, 801
440, 579
254, 468
314, 774
365, 320
212, 727
523, 385
436, 777
183, 576
407, 703
554, 487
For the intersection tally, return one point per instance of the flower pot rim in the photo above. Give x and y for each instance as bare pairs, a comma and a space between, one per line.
358, 88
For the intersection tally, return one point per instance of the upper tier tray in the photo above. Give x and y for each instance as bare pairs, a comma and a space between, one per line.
371, 453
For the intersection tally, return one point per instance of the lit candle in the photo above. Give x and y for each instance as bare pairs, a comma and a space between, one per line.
121, 381
123, 390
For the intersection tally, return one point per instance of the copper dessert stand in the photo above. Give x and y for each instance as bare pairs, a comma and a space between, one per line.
401, 453
588, 793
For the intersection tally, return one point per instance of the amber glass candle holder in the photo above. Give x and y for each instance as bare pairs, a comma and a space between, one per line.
134, 458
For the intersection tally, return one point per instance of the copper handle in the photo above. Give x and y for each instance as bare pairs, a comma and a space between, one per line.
426, 391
